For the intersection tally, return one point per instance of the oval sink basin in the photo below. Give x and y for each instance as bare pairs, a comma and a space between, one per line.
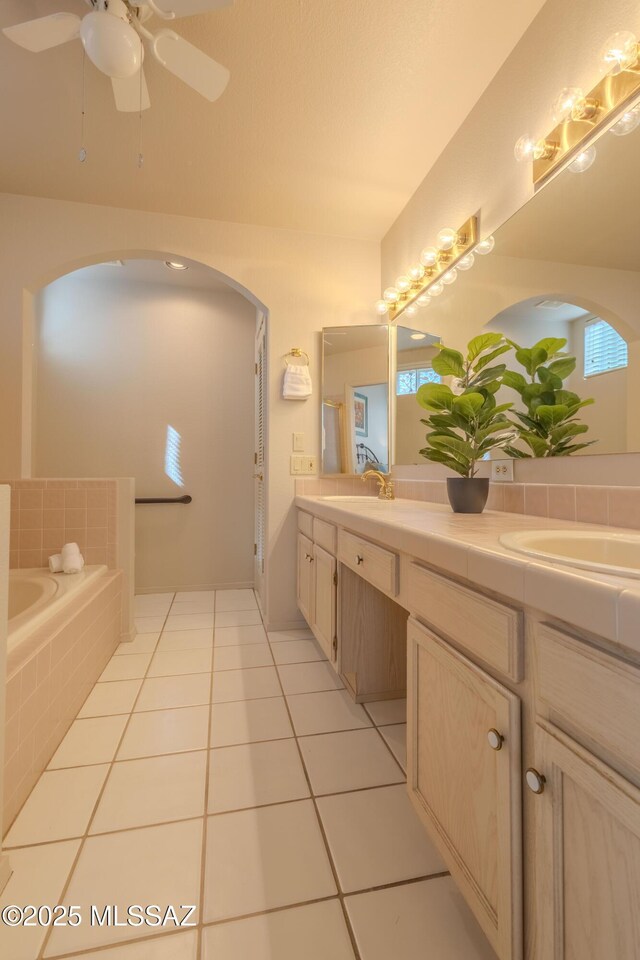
612, 553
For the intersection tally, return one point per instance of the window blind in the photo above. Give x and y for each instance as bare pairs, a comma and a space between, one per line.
604, 348
408, 381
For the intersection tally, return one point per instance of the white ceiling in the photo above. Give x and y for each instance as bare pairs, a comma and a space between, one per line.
197, 276
335, 111
531, 310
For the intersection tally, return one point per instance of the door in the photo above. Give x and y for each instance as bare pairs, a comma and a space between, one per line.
587, 849
259, 548
464, 780
305, 577
324, 614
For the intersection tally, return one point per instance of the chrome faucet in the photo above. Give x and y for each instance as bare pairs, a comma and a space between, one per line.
385, 484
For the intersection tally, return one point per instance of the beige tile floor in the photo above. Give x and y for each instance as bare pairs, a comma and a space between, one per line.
256, 790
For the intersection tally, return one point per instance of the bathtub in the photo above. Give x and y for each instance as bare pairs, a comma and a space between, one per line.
36, 593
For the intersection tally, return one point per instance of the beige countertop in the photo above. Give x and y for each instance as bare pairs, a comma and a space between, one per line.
467, 546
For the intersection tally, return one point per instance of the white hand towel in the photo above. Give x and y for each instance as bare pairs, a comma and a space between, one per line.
55, 563
297, 382
73, 563
70, 549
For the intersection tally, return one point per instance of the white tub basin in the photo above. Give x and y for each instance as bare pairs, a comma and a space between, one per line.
613, 553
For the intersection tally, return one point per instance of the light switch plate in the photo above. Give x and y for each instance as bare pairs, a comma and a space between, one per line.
302, 466
298, 443
502, 471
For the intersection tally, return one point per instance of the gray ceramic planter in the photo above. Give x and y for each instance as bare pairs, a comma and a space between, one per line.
467, 494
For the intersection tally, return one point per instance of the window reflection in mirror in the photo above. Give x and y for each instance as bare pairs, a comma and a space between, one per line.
355, 399
414, 353
567, 264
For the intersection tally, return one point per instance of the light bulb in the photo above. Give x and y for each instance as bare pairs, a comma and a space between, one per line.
525, 149
619, 52
583, 161
627, 123
485, 246
428, 256
565, 103
381, 307
423, 300
450, 276
411, 310
112, 44
466, 263
416, 273
436, 289
391, 295
447, 239
403, 284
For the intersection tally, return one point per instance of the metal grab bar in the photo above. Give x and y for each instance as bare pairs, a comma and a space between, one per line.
185, 499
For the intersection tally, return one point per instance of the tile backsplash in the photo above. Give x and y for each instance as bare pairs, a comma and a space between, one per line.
46, 513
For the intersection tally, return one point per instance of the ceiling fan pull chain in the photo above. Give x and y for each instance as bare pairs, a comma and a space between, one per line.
82, 155
140, 160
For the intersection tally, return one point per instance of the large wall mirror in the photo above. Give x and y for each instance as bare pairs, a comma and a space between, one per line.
355, 399
566, 265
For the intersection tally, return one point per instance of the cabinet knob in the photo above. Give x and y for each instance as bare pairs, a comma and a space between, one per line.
308, 558
359, 559
535, 780
495, 739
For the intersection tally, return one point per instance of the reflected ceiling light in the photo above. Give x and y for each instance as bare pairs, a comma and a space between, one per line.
429, 256
450, 276
391, 295
418, 336
436, 288
584, 160
423, 300
381, 307
411, 310
627, 123
176, 265
416, 273
403, 284
466, 263
485, 246
619, 53
447, 239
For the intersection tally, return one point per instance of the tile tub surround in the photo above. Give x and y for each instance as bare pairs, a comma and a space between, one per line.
49, 676
285, 838
467, 547
616, 506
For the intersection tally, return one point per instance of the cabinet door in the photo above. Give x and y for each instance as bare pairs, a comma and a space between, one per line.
324, 615
587, 848
464, 774
305, 577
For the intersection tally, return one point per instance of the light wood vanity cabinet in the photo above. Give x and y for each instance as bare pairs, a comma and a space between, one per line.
306, 577
317, 581
464, 773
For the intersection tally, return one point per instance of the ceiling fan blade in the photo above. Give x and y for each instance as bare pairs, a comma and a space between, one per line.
45, 32
190, 65
188, 8
131, 95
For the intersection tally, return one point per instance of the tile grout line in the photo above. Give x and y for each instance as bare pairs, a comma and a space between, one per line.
85, 836
205, 811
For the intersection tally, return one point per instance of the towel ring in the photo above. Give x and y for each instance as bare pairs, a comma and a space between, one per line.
298, 354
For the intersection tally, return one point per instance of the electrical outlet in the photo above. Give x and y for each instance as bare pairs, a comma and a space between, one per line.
502, 471
303, 465
298, 443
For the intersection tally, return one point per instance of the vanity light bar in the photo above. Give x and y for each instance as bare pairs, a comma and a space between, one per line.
436, 264
579, 117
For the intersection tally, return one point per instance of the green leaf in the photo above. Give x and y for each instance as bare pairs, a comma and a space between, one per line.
537, 445
568, 430
437, 457
550, 345
481, 343
435, 396
448, 363
549, 379
563, 367
516, 452
468, 404
489, 357
514, 380
552, 415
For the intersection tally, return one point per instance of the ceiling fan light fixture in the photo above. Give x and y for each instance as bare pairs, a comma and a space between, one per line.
176, 265
112, 44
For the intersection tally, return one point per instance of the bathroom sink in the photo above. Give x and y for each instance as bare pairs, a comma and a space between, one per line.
613, 553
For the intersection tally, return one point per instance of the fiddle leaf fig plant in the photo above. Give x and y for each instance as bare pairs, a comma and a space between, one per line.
549, 425
465, 425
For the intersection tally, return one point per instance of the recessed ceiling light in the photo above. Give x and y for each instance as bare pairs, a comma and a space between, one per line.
111, 263
418, 336
176, 265
551, 304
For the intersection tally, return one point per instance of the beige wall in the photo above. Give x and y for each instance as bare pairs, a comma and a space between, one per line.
120, 361
305, 281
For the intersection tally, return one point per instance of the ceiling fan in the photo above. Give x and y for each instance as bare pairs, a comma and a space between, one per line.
114, 37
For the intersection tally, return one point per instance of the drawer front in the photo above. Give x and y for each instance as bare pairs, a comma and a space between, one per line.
372, 563
305, 524
489, 630
325, 535
589, 692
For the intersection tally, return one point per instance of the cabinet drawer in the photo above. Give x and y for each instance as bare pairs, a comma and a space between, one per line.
491, 631
372, 563
589, 692
305, 524
325, 535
